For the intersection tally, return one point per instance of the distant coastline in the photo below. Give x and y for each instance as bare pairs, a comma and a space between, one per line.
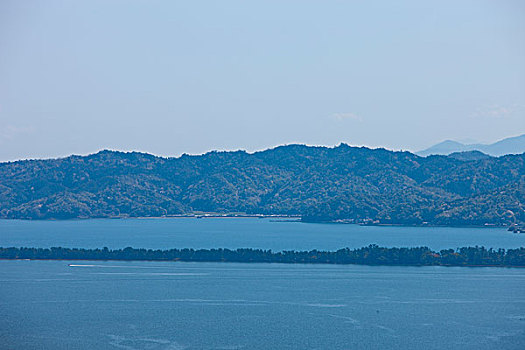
275, 217
272, 217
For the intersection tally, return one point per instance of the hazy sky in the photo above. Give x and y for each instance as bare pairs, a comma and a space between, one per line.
172, 77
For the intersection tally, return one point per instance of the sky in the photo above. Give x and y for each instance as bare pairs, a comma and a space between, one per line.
174, 77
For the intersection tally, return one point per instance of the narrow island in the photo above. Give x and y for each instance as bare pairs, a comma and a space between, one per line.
370, 255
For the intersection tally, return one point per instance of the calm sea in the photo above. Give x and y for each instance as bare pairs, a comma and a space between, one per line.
147, 305
168, 305
241, 233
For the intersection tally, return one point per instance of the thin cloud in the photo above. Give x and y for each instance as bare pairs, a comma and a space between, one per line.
347, 116
10, 132
495, 112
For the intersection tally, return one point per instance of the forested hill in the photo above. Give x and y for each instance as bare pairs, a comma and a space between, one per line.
318, 183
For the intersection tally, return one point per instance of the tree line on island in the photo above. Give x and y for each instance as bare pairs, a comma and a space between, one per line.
371, 255
320, 184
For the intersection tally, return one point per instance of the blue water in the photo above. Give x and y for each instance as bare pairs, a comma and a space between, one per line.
151, 305
174, 305
241, 232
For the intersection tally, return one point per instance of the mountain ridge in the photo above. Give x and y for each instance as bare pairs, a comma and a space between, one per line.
509, 145
342, 183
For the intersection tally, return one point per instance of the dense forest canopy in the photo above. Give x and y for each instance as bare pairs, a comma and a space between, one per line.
318, 183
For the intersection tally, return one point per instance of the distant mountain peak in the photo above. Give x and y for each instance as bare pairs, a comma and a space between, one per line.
510, 145
450, 143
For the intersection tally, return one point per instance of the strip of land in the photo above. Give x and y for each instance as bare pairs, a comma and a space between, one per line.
371, 255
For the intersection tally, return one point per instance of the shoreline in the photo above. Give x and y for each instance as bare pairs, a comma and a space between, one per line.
278, 217
264, 262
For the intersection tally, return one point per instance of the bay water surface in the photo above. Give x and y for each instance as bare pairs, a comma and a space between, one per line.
242, 233
151, 305
181, 305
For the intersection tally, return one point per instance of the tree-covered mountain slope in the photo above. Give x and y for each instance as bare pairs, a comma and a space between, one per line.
318, 183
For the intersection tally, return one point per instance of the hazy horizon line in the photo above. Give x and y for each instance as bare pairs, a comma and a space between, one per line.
249, 151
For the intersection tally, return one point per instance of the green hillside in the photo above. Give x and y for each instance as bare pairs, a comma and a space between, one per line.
319, 183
